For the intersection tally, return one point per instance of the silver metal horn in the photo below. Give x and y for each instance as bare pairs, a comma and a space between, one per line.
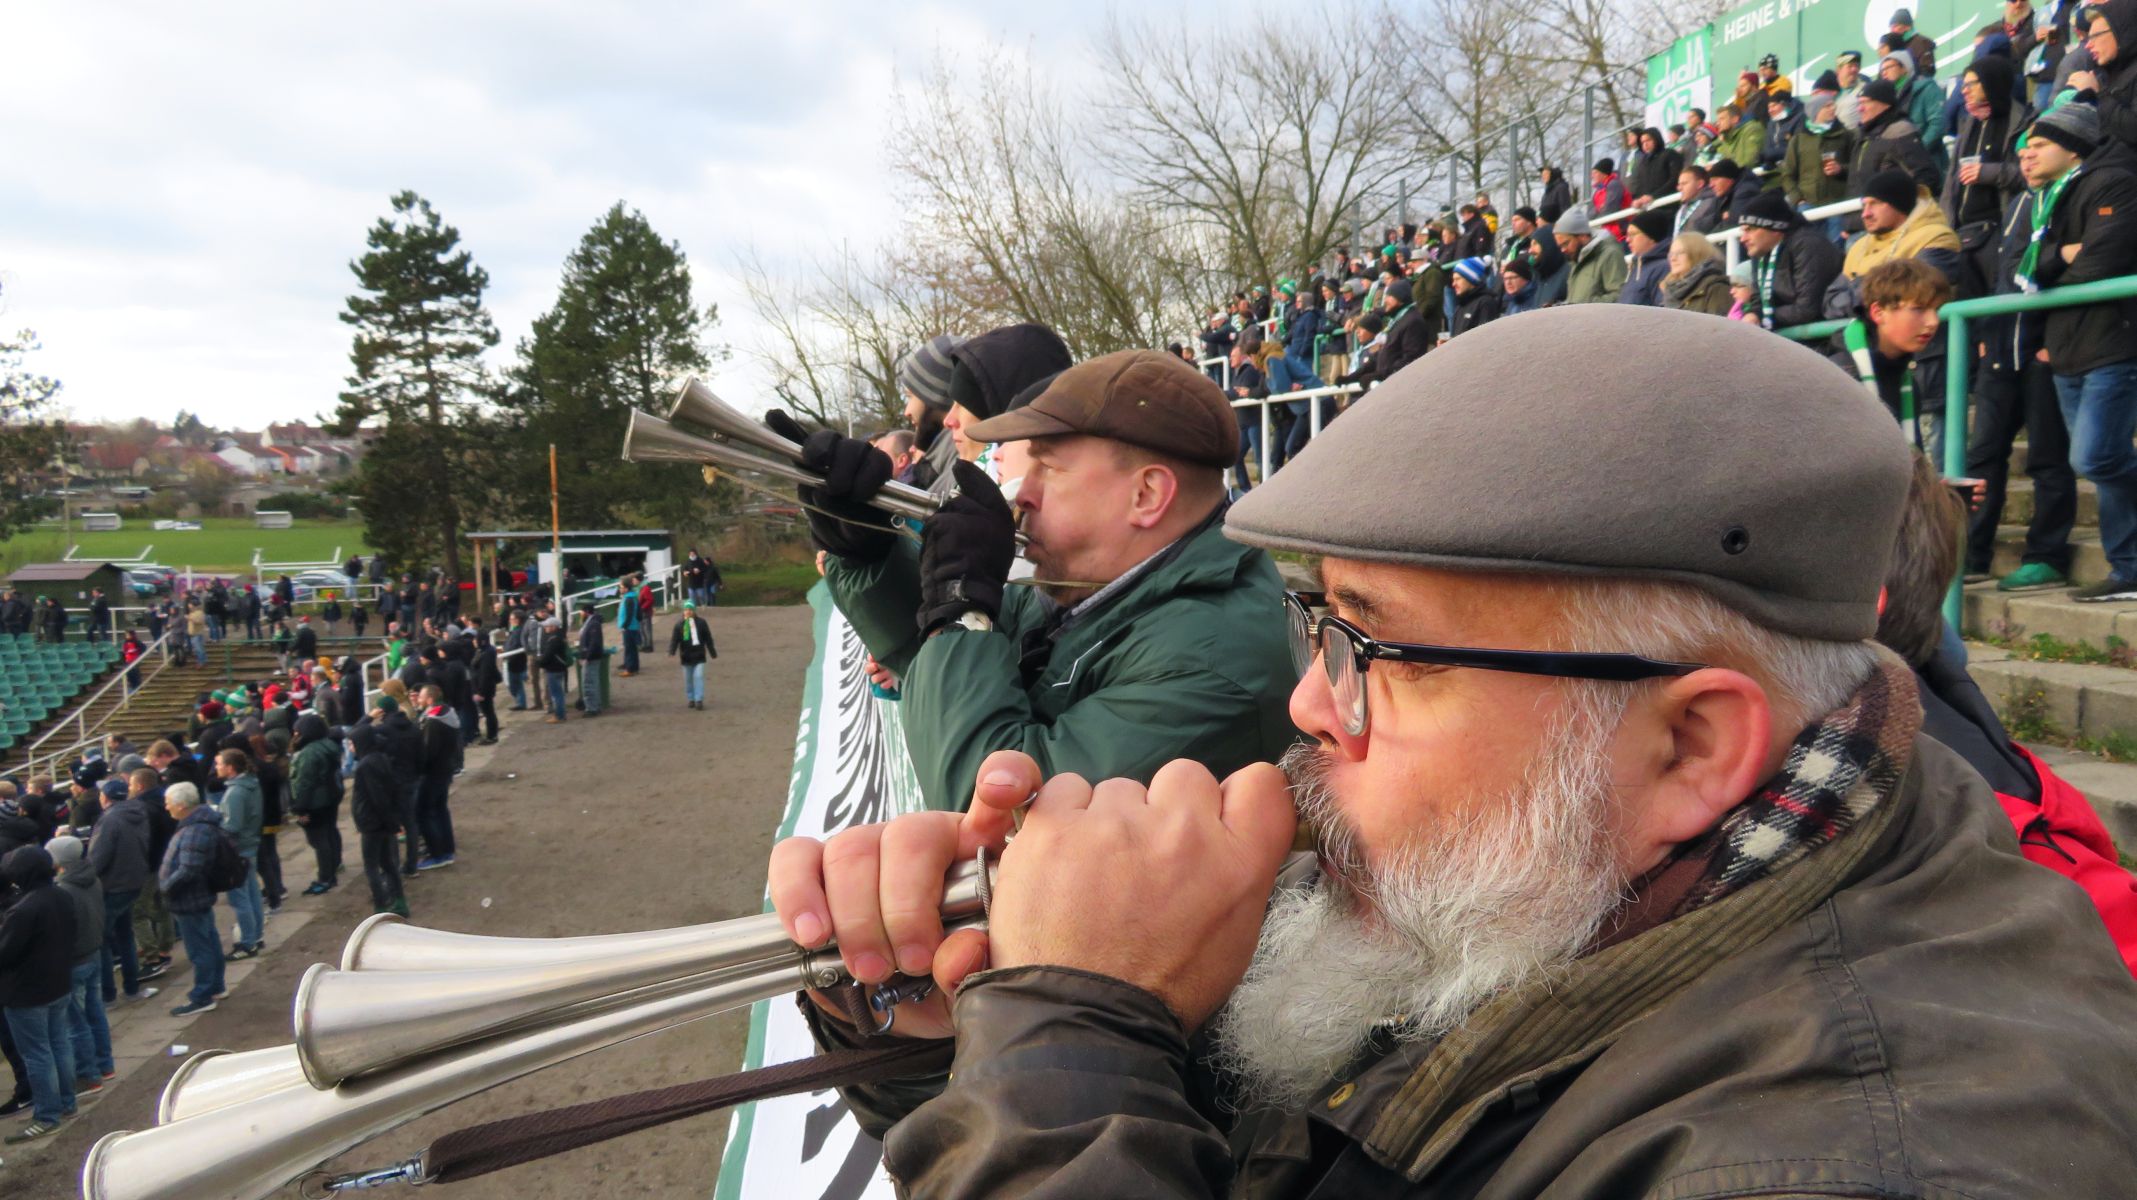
650, 439
251, 1129
351, 1023
698, 409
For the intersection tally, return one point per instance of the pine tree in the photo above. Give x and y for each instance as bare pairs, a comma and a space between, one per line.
623, 330
421, 329
28, 444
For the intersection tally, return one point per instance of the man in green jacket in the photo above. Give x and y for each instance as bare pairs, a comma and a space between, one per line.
1598, 271
315, 797
1814, 172
1742, 137
1149, 636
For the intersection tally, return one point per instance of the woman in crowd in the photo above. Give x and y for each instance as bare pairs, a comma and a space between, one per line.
1696, 281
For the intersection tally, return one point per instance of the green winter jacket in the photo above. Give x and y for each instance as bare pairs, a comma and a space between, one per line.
1803, 177
315, 778
1598, 273
1742, 144
1191, 661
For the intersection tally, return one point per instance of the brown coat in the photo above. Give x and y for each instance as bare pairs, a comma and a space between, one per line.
1912, 1011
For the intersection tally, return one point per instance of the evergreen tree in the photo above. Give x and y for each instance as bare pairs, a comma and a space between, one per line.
421, 329
28, 444
623, 331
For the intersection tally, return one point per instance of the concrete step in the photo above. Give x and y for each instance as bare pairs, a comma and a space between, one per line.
2111, 786
2022, 615
2088, 562
2066, 699
2018, 503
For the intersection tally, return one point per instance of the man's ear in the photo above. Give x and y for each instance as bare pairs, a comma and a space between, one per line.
1156, 487
1718, 727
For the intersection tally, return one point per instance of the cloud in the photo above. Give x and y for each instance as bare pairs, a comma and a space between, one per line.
189, 183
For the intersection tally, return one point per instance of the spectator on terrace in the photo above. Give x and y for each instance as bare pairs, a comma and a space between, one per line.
1987, 177
1921, 52
1597, 261
1919, 98
1697, 209
2110, 31
1557, 196
1657, 171
2043, 64
1519, 293
1248, 383
1696, 281
1889, 140
2014, 391
1475, 239
1733, 188
1884, 346
1900, 219
1792, 263
1814, 173
1784, 116
1606, 194
1743, 135
2086, 230
1474, 303
1649, 241
1413, 328
1534, 245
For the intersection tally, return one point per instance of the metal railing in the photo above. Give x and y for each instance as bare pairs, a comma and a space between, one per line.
86, 734
665, 585
1313, 414
1959, 361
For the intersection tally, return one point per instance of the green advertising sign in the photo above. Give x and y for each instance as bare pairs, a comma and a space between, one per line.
1679, 79
1808, 36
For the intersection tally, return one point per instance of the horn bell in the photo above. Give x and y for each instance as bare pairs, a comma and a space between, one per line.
215, 1079
696, 404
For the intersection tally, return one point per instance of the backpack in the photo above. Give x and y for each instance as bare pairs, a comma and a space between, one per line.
226, 867
2063, 834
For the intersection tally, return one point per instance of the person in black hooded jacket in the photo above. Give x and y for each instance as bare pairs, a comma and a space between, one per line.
375, 808
2113, 79
1988, 129
36, 977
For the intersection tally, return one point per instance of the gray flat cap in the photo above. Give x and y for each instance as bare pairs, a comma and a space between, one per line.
1575, 441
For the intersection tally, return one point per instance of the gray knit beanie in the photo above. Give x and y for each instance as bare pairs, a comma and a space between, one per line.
2075, 127
925, 370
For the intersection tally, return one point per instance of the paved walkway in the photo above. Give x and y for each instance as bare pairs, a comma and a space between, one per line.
650, 816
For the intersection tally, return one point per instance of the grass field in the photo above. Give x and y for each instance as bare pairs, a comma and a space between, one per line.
223, 544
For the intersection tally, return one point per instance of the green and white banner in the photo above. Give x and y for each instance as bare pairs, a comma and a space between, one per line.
1808, 36
850, 768
1679, 80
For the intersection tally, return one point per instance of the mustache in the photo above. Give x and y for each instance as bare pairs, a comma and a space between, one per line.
1336, 840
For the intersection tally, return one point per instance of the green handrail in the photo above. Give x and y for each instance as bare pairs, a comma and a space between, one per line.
1958, 361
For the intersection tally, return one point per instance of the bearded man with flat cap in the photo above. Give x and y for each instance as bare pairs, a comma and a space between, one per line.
1148, 636
1635, 874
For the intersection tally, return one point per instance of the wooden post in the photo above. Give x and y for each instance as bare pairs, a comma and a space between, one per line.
556, 530
480, 611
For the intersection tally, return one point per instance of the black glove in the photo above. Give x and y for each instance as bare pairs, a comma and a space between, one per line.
853, 471
966, 549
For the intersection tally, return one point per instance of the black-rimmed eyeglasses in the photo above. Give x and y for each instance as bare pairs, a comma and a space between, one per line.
1347, 664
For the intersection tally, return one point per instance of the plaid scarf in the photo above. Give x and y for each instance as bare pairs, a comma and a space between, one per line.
1839, 768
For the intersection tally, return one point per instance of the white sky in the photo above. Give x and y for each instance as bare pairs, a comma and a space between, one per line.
183, 186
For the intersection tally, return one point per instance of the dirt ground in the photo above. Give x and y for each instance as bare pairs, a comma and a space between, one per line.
651, 816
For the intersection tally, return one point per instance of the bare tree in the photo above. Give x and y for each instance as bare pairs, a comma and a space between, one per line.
1268, 138
1003, 186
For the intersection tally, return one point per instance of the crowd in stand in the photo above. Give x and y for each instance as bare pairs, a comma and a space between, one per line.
2013, 179
1488, 888
103, 874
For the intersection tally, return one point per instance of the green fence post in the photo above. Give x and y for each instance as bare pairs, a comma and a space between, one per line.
1956, 360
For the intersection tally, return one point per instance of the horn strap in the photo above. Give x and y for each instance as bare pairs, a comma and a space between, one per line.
495, 1145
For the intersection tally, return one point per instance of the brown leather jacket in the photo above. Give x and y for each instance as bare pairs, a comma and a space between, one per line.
1913, 1011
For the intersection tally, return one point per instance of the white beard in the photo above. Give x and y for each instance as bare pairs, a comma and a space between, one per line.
1495, 896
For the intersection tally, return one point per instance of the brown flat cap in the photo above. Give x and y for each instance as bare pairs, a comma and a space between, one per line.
1775, 486
1145, 398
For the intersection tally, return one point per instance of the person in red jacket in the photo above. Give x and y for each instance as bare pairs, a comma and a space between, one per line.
2054, 822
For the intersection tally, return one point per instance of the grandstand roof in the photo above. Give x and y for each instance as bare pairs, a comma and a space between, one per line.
56, 572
